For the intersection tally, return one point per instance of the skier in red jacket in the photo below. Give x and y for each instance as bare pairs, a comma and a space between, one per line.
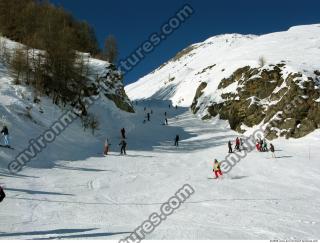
216, 169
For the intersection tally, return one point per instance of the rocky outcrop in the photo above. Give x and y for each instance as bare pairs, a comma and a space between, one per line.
112, 87
199, 92
287, 104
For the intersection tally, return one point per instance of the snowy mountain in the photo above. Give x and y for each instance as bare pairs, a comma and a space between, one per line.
28, 115
72, 191
245, 79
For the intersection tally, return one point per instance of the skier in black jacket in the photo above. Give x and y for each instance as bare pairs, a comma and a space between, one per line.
230, 146
176, 141
5, 133
123, 145
2, 194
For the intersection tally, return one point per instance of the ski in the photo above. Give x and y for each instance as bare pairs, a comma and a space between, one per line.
8, 147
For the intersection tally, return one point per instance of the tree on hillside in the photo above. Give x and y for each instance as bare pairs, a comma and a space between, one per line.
18, 64
110, 51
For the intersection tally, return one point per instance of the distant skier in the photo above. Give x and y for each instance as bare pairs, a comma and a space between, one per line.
148, 116
265, 146
2, 194
230, 147
166, 121
216, 169
123, 133
258, 145
261, 144
106, 146
123, 145
272, 150
176, 107
5, 133
176, 140
237, 144
169, 106
165, 114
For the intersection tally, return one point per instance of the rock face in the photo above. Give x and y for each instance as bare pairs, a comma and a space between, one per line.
198, 94
286, 103
113, 88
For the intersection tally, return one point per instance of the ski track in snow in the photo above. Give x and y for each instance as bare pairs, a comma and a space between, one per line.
108, 197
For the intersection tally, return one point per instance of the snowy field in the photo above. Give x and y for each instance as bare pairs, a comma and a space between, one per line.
91, 196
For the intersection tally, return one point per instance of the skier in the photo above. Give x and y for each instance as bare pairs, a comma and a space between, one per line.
123, 133
230, 146
123, 145
272, 150
176, 107
216, 169
258, 145
237, 144
265, 146
261, 144
5, 133
2, 194
106, 147
165, 114
176, 141
166, 120
169, 106
148, 116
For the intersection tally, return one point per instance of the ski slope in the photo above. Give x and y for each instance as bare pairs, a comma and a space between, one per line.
90, 196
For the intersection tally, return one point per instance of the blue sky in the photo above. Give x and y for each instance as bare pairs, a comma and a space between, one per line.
132, 22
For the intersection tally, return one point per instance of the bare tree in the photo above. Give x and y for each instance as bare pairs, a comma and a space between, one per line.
110, 49
18, 64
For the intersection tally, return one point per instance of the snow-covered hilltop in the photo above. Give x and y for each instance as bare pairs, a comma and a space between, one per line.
245, 79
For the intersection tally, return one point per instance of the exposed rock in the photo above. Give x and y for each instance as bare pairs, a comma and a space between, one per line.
289, 106
113, 89
199, 92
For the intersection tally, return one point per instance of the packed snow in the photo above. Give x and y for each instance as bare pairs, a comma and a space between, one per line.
88, 195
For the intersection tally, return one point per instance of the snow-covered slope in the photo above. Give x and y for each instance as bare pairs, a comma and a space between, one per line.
109, 197
247, 80
28, 120
219, 56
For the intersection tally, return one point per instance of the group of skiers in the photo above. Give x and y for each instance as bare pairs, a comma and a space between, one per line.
261, 145
5, 135
148, 116
238, 146
122, 143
